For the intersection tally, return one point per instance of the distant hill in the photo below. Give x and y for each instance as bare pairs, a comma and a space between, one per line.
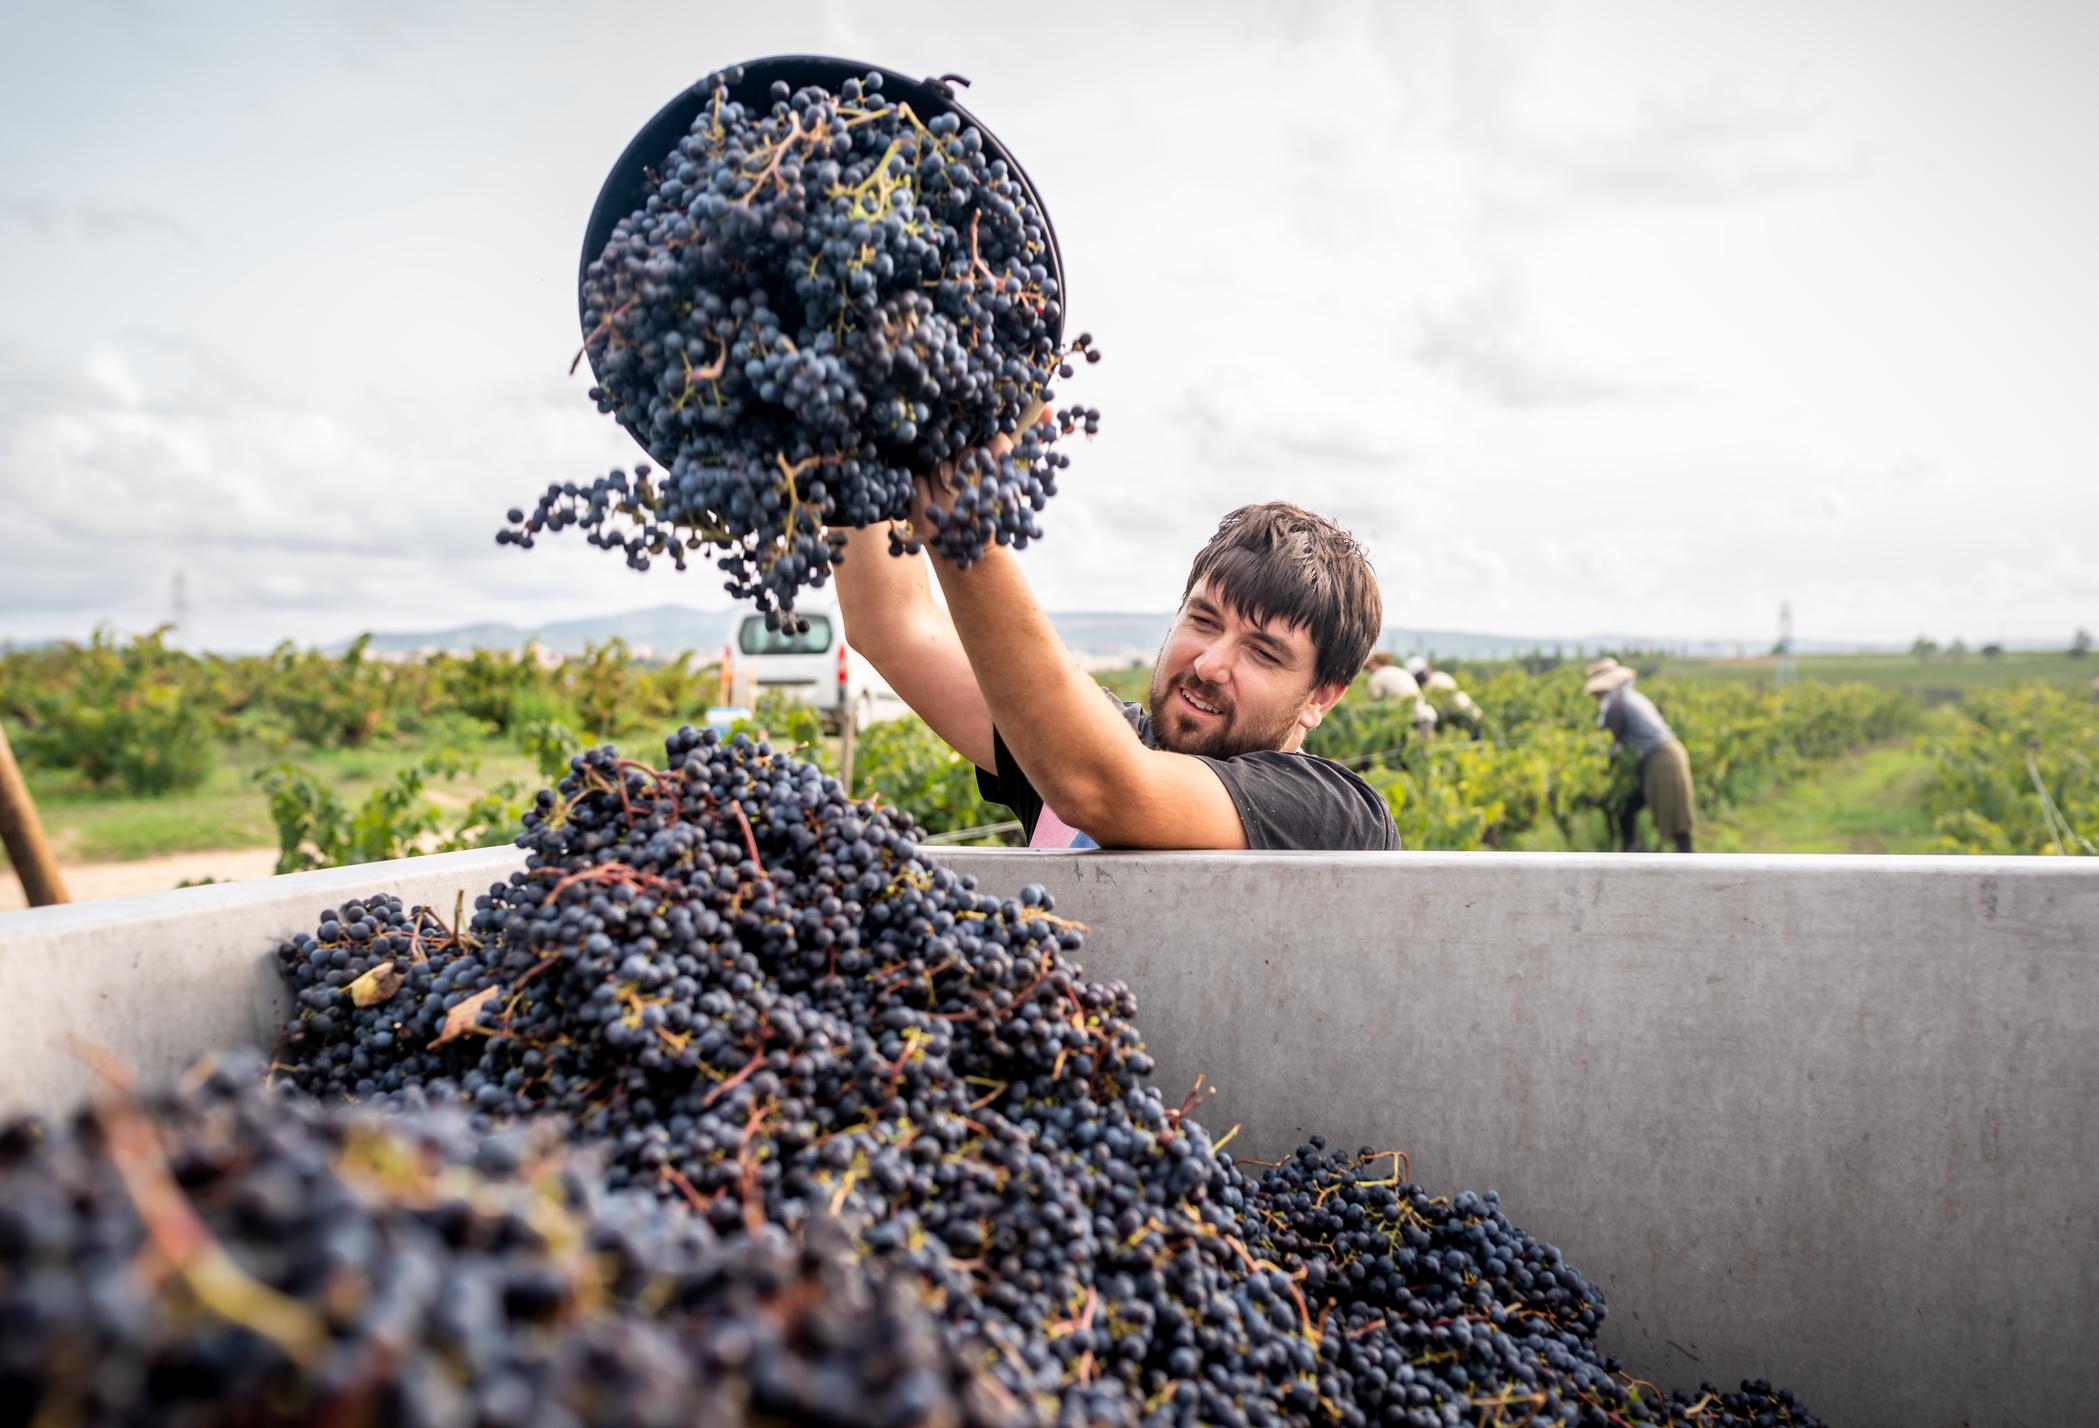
1103, 637
661, 631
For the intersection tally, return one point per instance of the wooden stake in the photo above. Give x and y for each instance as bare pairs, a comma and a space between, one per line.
848, 737
23, 835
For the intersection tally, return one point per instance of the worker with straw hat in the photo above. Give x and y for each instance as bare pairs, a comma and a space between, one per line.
1665, 769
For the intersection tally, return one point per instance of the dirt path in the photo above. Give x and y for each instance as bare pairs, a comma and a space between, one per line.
89, 881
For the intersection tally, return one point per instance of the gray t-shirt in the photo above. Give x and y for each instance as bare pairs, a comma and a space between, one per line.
1284, 800
1633, 721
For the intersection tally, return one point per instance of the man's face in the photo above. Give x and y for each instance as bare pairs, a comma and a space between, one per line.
1225, 686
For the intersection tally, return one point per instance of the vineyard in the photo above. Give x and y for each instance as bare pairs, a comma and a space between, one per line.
2017, 771
146, 718
139, 748
1533, 772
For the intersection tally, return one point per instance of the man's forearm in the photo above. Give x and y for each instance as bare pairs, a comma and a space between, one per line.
882, 598
1069, 741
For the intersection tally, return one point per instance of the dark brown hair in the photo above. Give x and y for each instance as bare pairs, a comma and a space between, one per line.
1276, 561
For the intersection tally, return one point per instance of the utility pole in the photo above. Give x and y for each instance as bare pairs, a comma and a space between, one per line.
1783, 675
23, 835
181, 615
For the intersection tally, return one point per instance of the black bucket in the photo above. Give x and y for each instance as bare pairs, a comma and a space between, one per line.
625, 188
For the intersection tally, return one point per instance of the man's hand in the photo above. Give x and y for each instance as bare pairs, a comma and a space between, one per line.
939, 487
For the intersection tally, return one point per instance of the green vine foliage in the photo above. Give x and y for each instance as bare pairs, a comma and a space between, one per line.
551, 744
904, 764
2016, 771
2013, 768
143, 716
1534, 763
790, 725
317, 829
136, 716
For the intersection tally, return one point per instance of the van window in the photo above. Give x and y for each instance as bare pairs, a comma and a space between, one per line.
755, 639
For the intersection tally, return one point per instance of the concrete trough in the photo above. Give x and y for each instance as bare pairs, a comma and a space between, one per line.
1828, 1121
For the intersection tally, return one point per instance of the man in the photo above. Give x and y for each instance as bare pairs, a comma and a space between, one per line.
1637, 727
1277, 615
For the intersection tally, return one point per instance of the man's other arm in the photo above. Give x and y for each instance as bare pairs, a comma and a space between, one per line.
1074, 746
891, 618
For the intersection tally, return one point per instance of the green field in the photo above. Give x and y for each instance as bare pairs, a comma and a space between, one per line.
1936, 680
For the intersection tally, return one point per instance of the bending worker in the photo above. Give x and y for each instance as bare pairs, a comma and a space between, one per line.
1637, 727
1389, 679
1277, 615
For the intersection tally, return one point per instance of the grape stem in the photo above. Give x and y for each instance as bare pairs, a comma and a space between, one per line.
602, 330
181, 1237
750, 840
749, 1069
772, 168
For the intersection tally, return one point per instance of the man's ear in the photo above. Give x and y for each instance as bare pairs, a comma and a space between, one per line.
1324, 697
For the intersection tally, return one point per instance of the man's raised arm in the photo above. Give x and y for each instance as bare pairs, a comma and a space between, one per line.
891, 618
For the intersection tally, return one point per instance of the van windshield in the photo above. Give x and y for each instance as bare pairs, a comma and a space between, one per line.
755, 639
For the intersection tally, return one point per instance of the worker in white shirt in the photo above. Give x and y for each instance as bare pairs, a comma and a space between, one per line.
1389, 679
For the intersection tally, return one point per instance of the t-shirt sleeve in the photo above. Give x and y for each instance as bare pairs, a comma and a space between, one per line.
1303, 801
1004, 783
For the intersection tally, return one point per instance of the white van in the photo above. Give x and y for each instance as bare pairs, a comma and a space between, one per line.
816, 668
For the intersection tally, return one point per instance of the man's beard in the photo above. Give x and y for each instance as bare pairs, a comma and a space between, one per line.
1220, 738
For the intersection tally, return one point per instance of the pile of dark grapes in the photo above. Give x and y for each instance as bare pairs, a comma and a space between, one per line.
758, 1001
221, 1255
820, 300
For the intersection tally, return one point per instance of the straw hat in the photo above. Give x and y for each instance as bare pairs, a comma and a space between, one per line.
1607, 662
1605, 677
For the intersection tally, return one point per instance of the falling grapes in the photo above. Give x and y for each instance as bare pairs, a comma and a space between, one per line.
820, 300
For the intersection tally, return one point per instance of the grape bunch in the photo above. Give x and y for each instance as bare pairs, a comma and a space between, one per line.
222, 1255
820, 300
757, 1000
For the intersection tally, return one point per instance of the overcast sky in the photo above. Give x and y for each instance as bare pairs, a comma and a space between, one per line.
1611, 316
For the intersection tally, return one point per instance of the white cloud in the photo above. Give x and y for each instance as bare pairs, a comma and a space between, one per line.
94, 220
144, 465
112, 374
1486, 342
1641, 316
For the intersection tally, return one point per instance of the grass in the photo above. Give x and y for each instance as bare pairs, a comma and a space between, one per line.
1939, 679
1868, 801
228, 810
